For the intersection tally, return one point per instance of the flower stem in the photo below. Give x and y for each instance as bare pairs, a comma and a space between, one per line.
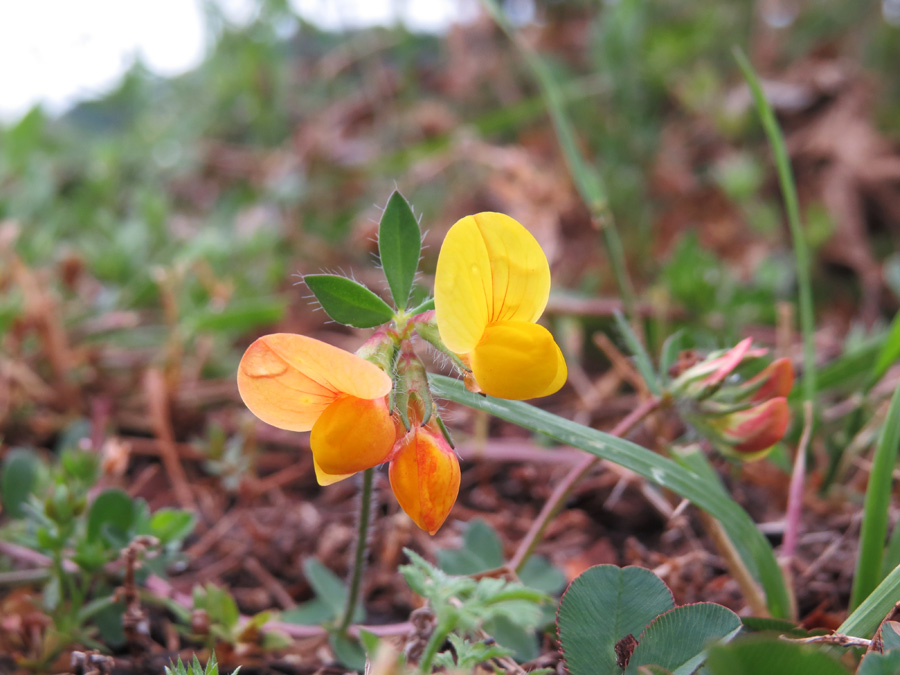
562, 491
359, 559
438, 636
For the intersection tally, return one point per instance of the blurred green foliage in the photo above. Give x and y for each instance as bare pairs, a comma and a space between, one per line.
193, 201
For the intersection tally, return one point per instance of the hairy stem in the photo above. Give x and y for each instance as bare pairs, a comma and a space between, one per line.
359, 559
438, 636
562, 491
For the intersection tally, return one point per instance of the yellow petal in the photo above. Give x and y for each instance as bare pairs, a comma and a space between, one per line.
323, 478
562, 374
425, 477
519, 269
518, 360
462, 287
490, 269
352, 434
288, 380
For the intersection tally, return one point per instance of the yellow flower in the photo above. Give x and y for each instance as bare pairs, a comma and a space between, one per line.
297, 383
491, 285
425, 475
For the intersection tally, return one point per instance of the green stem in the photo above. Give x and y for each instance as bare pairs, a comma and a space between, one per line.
804, 286
587, 179
359, 560
438, 636
798, 239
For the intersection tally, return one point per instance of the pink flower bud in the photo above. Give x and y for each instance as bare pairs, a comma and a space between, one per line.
776, 379
755, 429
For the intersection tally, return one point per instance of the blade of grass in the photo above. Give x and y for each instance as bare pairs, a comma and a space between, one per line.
588, 181
875, 512
804, 284
890, 352
792, 207
653, 467
863, 620
641, 357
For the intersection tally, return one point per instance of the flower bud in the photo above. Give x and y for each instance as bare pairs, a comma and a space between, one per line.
702, 379
754, 430
412, 394
775, 380
379, 349
425, 476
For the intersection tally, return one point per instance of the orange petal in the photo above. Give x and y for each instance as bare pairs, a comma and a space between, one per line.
757, 428
518, 360
288, 380
425, 477
352, 434
776, 379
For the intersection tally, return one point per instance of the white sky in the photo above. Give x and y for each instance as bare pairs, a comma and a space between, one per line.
60, 51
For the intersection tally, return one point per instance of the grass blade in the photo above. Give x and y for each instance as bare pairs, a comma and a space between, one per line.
875, 513
792, 206
890, 352
587, 179
662, 471
863, 620
641, 357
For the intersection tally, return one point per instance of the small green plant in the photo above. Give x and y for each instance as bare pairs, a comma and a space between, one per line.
53, 515
216, 621
194, 667
482, 551
614, 620
463, 607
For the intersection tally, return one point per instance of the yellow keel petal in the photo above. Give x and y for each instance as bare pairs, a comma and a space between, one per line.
518, 360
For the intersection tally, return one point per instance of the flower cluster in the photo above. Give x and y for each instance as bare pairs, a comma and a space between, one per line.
743, 419
491, 285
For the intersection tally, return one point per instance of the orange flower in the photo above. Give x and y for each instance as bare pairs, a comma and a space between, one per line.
424, 476
297, 383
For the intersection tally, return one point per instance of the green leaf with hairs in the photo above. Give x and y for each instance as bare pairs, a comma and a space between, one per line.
348, 302
399, 247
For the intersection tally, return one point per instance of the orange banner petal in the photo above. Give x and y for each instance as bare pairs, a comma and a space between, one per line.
288, 380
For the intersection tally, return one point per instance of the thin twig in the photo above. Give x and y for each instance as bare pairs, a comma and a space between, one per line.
563, 489
275, 588
754, 595
795, 501
795, 491
157, 402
